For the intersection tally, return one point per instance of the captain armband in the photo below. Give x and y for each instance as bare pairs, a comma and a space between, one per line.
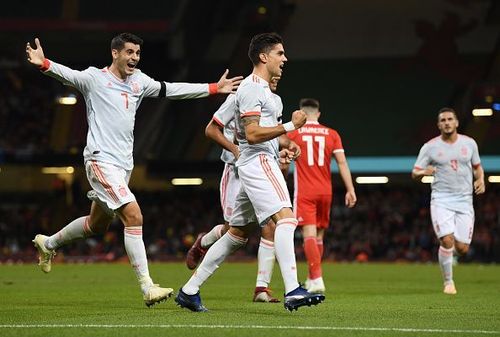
163, 89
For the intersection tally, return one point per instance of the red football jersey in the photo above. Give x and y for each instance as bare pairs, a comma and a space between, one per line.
312, 174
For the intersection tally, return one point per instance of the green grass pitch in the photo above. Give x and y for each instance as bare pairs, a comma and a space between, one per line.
361, 300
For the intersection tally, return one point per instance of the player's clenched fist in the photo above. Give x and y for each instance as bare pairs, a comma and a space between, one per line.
298, 118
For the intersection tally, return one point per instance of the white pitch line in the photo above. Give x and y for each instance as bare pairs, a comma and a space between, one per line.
204, 326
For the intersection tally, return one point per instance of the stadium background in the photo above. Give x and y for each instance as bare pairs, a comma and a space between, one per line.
381, 70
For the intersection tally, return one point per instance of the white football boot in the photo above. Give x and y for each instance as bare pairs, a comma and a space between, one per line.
449, 288
45, 255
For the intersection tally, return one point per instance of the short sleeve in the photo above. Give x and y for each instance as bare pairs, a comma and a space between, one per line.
475, 160
423, 159
249, 99
337, 141
225, 114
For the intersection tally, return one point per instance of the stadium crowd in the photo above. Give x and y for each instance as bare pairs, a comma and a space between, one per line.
389, 224
25, 120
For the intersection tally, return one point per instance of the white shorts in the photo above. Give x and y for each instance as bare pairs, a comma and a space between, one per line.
110, 182
263, 192
446, 222
229, 188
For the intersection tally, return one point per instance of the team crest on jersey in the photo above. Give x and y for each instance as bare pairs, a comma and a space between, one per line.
123, 191
135, 87
463, 150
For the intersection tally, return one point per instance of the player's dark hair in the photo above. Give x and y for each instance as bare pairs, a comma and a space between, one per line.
309, 102
446, 109
118, 42
262, 43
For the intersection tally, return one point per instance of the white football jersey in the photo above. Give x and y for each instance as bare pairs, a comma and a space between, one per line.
452, 186
224, 117
112, 104
254, 98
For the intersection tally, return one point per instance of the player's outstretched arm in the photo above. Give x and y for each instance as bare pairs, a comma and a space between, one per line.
35, 56
81, 80
228, 85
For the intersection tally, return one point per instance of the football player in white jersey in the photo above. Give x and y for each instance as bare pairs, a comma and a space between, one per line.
453, 160
263, 194
112, 96
221, 130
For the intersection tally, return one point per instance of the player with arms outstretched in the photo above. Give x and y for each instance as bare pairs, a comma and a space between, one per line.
453, 160
113, 95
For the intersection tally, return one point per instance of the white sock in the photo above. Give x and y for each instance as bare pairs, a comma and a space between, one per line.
216, 254
76, 229
285, 252
215, 234
265, 258
136, 251
445, 257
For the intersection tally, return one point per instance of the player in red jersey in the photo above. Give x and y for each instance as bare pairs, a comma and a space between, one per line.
313, 186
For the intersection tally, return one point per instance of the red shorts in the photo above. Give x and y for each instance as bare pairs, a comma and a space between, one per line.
313, 210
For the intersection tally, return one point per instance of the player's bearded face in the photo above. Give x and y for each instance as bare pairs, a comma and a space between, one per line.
447, 123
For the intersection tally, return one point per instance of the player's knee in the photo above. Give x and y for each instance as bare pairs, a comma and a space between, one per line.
447, 241
267, 232
462, 249
101, 226
239, 232
133, 219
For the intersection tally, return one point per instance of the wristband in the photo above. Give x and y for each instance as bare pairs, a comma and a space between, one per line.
289, 126
212, 88
45, 65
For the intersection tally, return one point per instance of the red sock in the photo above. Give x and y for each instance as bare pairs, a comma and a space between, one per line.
319, 243
313, 257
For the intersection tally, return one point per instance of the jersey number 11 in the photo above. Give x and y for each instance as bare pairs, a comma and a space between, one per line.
309, 140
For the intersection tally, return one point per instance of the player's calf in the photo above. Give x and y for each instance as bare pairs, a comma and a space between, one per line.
195, 253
